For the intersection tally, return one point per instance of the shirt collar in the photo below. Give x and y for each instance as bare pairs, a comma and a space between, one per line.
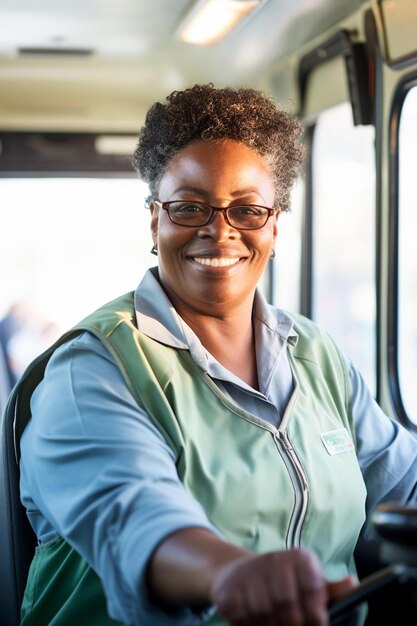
157, 318
155, 315
276, 320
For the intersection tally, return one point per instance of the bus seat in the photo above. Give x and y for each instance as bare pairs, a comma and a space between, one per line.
17, 539
4, 380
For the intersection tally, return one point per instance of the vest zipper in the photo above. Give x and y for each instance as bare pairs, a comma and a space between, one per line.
292, 463
299, 481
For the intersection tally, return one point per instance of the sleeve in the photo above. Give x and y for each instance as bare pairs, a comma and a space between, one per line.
105, 478
387, 452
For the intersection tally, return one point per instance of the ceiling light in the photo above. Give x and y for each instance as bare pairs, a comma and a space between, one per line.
211, 20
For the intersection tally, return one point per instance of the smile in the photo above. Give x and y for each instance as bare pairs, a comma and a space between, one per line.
216, 261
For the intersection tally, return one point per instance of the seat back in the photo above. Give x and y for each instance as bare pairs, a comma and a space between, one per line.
5, 386
17, 539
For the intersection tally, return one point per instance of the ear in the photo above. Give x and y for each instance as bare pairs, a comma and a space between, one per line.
154, 221
275, 223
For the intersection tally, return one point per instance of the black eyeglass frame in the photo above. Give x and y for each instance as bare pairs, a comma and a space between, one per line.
223, 210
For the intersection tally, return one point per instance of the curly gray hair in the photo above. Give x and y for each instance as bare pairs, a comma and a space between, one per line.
204, 112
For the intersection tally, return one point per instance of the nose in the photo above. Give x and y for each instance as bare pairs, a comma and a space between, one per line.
218, 228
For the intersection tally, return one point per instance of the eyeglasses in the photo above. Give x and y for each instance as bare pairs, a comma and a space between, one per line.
192, 214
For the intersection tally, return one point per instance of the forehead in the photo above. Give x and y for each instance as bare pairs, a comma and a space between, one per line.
225, 166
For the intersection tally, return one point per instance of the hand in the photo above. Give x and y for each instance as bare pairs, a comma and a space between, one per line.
274, 589
193, 567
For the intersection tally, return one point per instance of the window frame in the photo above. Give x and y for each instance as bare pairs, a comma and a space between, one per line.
25, 154
307, 234
405, 85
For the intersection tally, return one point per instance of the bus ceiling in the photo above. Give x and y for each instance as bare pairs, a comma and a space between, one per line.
96, 67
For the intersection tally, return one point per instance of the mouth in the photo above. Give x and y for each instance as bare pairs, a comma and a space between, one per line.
215, 261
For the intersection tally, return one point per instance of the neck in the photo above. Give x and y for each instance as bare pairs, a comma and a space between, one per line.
228, 337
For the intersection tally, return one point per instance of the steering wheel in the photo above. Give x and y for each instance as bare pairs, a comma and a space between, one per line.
396, 526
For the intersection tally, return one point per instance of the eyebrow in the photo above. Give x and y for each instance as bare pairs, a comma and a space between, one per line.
204, 192
196, 190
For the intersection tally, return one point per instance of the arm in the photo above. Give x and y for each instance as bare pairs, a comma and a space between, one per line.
194, 567
103, 477
387, 452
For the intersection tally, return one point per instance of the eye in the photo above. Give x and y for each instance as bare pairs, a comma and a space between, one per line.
188, 207
248, 210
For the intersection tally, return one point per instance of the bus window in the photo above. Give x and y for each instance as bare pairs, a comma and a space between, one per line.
69, 245
344, 235
286, 269
407, 259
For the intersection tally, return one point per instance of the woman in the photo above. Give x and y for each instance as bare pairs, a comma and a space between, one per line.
196, 455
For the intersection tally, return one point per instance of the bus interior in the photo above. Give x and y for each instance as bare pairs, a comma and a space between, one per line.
76, 80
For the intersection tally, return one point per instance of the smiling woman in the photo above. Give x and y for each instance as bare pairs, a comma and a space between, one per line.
161, 404
211, 271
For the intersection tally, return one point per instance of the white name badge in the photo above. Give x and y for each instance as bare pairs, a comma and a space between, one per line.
337, 441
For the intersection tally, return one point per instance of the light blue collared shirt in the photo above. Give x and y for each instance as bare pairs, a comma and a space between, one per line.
110, 487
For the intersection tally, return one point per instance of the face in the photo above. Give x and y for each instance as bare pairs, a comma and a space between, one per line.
214, 268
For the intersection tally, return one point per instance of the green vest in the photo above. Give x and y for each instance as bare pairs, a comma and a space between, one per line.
304, 483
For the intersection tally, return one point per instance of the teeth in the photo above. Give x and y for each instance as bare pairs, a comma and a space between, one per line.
216, 262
